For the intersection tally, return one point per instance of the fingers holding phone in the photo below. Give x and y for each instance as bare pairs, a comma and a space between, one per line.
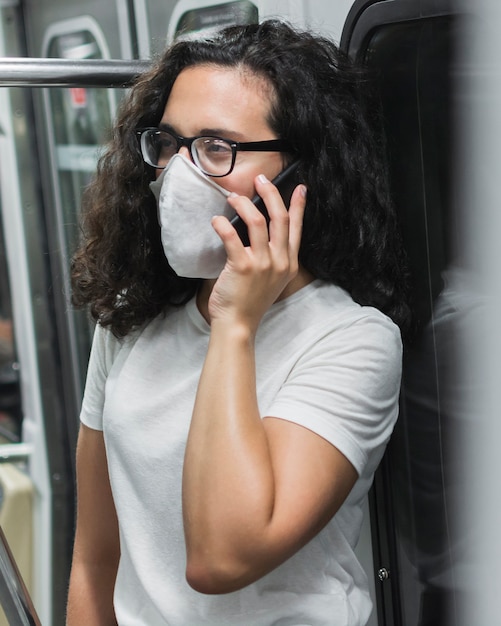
284, 218
285, 182
272, 200
255, 275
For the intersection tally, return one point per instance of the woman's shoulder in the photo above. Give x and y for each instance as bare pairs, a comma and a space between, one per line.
108, 345
327, 303
360, 324
323, 317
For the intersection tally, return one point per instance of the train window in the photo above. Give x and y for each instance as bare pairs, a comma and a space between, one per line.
79, 120
414, 62
160, 22
10, 397
418, 116
16, 487
200, 20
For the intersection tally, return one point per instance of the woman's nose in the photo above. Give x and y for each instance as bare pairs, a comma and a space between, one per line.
185, 152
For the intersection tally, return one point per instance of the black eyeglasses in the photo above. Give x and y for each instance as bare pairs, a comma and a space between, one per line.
214, 156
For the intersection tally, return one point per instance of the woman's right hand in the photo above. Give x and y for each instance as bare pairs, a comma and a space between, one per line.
254, 276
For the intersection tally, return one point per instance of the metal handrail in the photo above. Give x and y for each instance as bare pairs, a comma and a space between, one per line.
14, 597
41, 72
15, 452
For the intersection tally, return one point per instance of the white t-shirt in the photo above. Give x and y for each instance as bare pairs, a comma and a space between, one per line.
322, 361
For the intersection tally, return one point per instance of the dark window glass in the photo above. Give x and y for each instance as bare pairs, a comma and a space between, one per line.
415, 68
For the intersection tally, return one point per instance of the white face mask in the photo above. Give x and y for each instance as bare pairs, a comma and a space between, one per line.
187, 201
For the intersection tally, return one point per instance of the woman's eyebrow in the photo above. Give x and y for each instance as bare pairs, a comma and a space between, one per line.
225, 133
167, 127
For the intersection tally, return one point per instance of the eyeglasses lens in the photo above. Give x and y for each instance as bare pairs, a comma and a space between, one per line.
212, 155
158, 147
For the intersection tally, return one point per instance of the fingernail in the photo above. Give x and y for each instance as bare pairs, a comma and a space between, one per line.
233, 195
303, 191
262, 178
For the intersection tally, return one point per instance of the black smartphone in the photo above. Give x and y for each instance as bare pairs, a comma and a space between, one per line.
285, 182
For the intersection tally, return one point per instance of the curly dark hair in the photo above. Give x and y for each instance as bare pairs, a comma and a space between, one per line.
350, 233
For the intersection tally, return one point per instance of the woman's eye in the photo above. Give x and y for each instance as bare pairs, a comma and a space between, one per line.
217, 149
165, 143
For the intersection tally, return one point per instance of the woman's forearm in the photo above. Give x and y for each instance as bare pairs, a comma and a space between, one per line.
90, 597
228, 484
96, 551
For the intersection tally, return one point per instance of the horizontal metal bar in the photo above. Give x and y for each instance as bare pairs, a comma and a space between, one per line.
12, 452
32, 72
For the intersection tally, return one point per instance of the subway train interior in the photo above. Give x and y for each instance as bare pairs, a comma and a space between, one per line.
64, 66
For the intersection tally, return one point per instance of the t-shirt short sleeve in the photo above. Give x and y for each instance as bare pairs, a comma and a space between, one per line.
346, 386
103, 353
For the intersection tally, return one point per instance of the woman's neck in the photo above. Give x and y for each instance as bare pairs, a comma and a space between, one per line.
302, 279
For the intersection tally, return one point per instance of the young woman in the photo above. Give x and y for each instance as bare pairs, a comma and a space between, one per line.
239, 397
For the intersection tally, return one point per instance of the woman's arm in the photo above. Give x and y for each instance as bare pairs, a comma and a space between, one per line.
254, 491
96, 550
